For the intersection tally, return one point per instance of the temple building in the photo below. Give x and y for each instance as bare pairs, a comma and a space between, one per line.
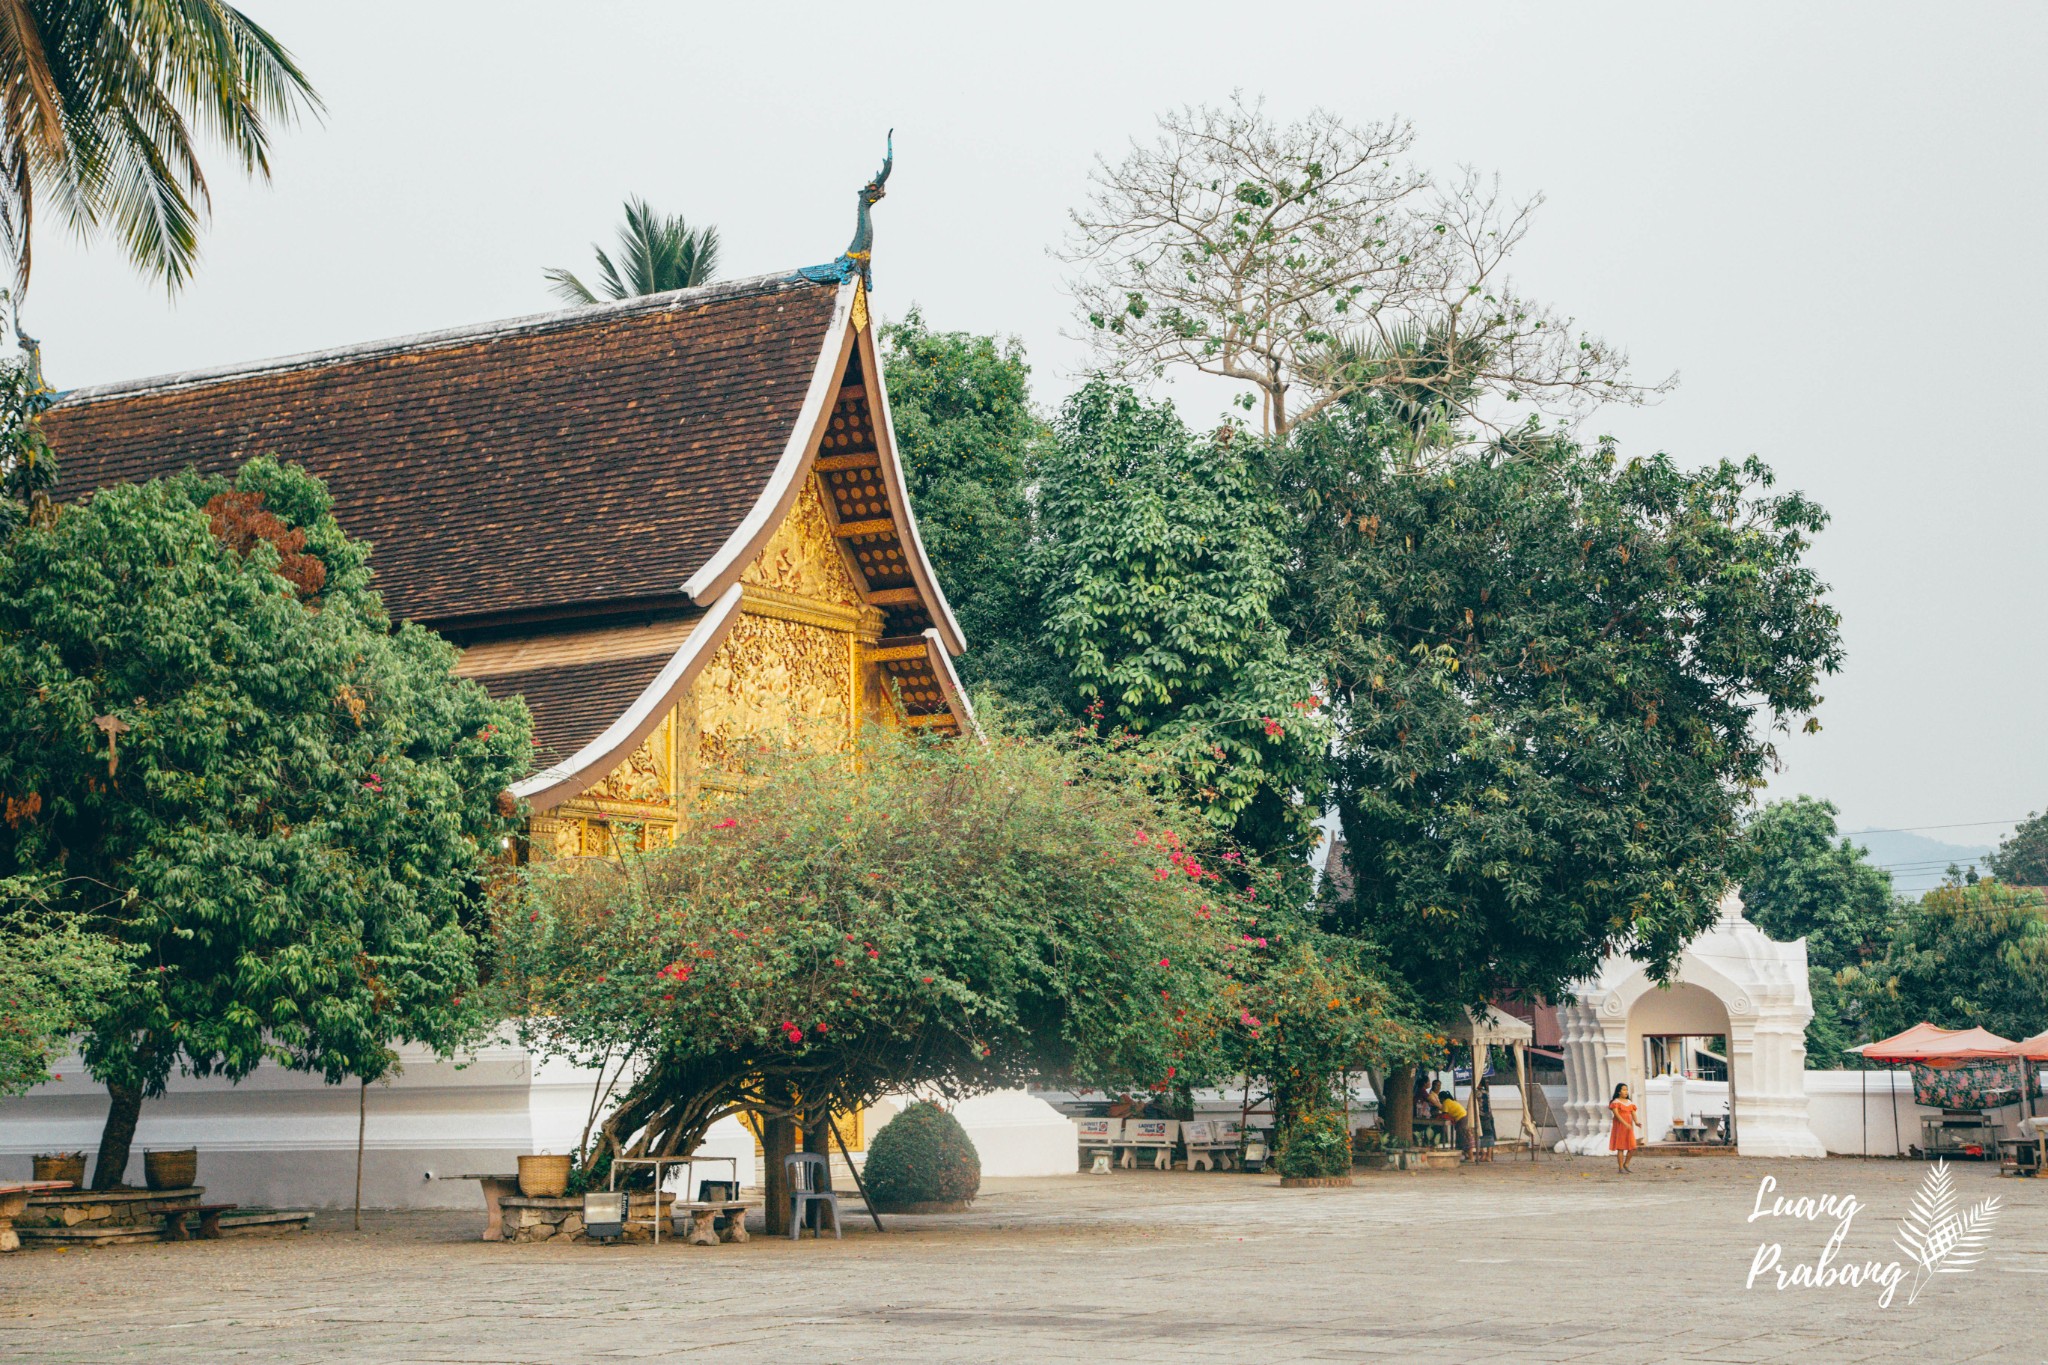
675, 525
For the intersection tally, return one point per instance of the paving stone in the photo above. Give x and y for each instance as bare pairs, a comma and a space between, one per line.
1559, 1261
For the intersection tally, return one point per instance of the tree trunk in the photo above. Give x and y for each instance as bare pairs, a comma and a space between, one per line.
778, 1140
124, 1110
1398, 1106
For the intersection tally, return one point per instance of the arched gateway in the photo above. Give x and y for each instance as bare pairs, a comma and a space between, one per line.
1738, 1003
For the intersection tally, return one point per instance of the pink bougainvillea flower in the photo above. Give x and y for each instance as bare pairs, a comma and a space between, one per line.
1164, 963
1169, 1073
821, 1028
874, 952
727, 823
1262, 943
668, 997
532, 917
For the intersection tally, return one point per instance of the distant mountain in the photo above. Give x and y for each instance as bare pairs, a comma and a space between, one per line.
1916, 862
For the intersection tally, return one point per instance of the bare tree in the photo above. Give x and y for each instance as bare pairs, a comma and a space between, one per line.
1315, 263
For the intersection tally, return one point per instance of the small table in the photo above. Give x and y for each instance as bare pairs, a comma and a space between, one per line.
1688, 1132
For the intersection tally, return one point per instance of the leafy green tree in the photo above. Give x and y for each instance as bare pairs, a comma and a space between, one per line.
28, 467
967, 435
953, 916
1961, 956
2022, 856
102, 100
54, 972
1159, 559
1556, 674
1800, 879
238, 768
657, 252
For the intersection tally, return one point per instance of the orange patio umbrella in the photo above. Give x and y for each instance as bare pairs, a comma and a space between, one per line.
1933, 1046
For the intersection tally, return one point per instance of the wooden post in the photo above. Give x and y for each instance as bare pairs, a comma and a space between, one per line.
858, 1183
362, 1121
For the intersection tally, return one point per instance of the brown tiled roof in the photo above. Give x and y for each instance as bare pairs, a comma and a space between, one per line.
573, 703
551, 465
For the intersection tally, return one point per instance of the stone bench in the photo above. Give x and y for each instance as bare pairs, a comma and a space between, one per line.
14, 1200
699, 1221
123, 1215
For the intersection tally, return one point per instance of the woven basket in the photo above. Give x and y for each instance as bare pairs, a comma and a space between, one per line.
61, 1166
543, 1177
171, 1170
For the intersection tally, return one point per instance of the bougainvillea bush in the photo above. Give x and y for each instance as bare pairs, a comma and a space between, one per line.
922, 1156
949, 914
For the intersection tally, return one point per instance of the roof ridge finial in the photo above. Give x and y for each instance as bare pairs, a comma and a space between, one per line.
856, 259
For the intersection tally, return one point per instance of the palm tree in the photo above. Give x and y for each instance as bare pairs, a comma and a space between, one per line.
98, 102
657, 253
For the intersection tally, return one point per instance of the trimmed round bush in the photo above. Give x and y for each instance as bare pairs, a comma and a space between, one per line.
922, 1156
1315, 1145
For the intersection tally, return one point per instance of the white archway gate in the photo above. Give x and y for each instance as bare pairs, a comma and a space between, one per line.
1760, 983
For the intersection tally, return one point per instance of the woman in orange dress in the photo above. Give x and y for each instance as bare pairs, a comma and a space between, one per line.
1621, 1138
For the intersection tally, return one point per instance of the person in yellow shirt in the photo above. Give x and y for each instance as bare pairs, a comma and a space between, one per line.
1447, 1100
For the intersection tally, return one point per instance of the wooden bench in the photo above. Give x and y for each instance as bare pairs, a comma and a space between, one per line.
699, 1221
209, 1221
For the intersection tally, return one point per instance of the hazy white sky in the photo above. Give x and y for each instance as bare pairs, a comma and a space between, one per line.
1826, 218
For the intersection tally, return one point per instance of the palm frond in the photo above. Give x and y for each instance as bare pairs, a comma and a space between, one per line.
656, 253
567, 286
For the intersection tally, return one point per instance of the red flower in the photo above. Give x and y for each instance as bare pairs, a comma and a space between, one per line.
873, 952
821, 1028
1169, 1073
839, 962
1273, 728
1164, 963
668, 997
927, 981
726, 823
532, 917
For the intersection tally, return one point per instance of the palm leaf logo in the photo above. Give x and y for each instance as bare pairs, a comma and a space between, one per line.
1940, 1236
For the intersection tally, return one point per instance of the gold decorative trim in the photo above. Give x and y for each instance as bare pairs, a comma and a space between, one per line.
831, 464
934, 718
890, 655
896, 597
882, 527
860, 308
808, 611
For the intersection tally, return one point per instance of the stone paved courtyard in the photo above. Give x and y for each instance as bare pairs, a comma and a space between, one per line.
1559, 1261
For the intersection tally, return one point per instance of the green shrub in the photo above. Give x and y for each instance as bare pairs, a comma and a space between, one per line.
1315, 1144
922, 1156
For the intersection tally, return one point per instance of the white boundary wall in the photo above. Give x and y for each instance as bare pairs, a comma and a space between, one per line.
286, 1139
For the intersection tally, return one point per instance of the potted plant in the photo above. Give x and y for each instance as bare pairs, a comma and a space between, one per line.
60, 1166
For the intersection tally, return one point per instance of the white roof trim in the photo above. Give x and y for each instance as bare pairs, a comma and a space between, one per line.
949, 683
676, 300
796, 453
954, 639
590, 764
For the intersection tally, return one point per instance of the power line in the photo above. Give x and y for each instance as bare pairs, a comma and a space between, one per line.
1914, 829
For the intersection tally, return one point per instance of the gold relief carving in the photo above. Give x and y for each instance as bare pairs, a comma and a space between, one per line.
552, 836
648, 775
778, 681
860, 308
802, 558
597, 838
